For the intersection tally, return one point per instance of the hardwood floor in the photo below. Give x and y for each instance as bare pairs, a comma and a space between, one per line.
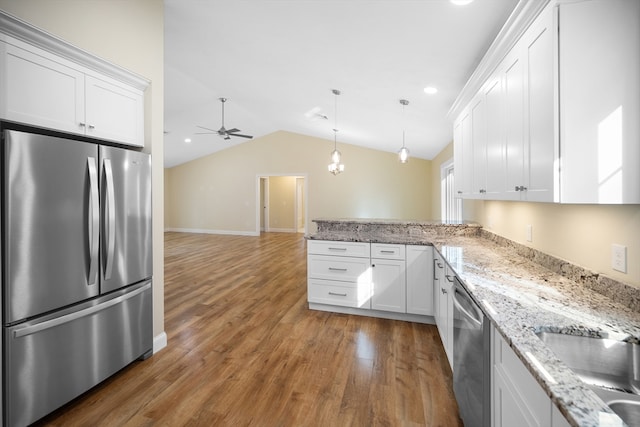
245, 350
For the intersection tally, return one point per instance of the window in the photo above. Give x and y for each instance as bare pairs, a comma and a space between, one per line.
451, 205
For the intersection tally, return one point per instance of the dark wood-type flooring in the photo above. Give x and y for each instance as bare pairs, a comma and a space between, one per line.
245, 350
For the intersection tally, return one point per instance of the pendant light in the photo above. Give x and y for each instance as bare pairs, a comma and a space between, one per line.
336, 166
403, 154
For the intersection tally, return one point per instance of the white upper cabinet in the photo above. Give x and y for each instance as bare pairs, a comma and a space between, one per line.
48, 83
560, 110
599, 46
40, 91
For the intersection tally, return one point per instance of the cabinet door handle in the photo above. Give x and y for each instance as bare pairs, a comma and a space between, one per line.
337, 294
81, 124
440, 265
92, 127
444, 291
337, 269
449, 278
482, 191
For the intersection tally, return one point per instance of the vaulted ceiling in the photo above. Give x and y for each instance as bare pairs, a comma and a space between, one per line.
276, 61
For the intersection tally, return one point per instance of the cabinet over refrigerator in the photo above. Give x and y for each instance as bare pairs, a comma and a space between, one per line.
76, 267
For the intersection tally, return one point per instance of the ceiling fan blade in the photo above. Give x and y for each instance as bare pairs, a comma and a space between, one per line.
202, 127
241, 136
234, 130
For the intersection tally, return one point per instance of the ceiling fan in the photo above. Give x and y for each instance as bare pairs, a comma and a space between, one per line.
223, 132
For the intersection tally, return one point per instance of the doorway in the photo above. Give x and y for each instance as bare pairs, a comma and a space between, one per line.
281, 204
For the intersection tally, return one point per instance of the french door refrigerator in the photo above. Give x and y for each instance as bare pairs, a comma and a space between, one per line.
76, 267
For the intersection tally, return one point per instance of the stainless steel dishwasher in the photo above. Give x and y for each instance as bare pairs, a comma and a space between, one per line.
471, 359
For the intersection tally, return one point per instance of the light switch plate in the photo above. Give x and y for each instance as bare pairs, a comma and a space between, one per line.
529, 233
619, 257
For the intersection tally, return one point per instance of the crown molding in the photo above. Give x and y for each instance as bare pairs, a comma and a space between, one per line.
523, 15
27, 33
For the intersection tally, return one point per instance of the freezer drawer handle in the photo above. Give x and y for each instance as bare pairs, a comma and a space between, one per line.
94, 221
28, 330
110, 223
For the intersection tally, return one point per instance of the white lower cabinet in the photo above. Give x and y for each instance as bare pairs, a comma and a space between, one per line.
393, 278
339, 273
443, 281
420, 280
517, 398
388, 271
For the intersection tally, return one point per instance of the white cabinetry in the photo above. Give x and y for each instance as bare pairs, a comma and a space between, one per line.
420, 280
517, 398
388, 269
41, 89
443, 285
560, 111
339, 273
599, 45
395, 279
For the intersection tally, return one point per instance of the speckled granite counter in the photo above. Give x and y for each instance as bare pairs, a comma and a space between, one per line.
521, 297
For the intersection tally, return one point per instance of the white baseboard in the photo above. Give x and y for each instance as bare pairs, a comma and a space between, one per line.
282, 230
207, 231
159, 342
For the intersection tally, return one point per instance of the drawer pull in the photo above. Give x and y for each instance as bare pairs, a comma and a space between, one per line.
337, 269
338, 249
387, 252
337, 294
449, 278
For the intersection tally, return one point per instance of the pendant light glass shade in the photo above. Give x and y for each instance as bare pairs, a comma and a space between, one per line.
336, 166
403, 154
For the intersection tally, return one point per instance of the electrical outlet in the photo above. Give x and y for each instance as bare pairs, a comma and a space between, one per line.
529, 233
619, 257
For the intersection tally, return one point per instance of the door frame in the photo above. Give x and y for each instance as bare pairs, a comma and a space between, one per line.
259, 206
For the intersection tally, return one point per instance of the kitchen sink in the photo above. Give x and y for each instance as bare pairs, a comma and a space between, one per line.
610, 367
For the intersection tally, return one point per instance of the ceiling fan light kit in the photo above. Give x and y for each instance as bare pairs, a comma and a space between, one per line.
336, 166
224, 133
403, 154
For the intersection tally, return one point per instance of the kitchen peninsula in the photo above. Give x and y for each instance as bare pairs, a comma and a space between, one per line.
520, 290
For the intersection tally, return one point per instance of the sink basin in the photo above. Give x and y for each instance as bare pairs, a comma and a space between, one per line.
601, 362
610, 367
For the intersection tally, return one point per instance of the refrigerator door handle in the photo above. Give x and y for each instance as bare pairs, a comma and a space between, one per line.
94, 221
32, 329
110, 223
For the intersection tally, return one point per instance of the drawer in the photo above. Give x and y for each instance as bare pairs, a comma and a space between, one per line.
334, 293
387, 251
343, 269
328, 247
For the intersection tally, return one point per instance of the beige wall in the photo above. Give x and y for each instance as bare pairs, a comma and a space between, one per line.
218, 192
129, 34
581, 234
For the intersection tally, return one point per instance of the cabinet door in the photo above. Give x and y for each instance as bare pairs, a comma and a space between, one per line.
599, 83
420, 280
114, 112
479, 147
513, 80
458, 166
40, 91
389, 285
539, 163
494, 114
518, 399
463, 155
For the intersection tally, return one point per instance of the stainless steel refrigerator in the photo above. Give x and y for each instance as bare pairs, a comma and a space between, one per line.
76, 267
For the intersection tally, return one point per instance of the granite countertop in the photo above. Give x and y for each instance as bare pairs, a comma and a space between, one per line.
520, 297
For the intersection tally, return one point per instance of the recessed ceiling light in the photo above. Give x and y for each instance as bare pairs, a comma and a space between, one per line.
430, 90
187, 140
461, 2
